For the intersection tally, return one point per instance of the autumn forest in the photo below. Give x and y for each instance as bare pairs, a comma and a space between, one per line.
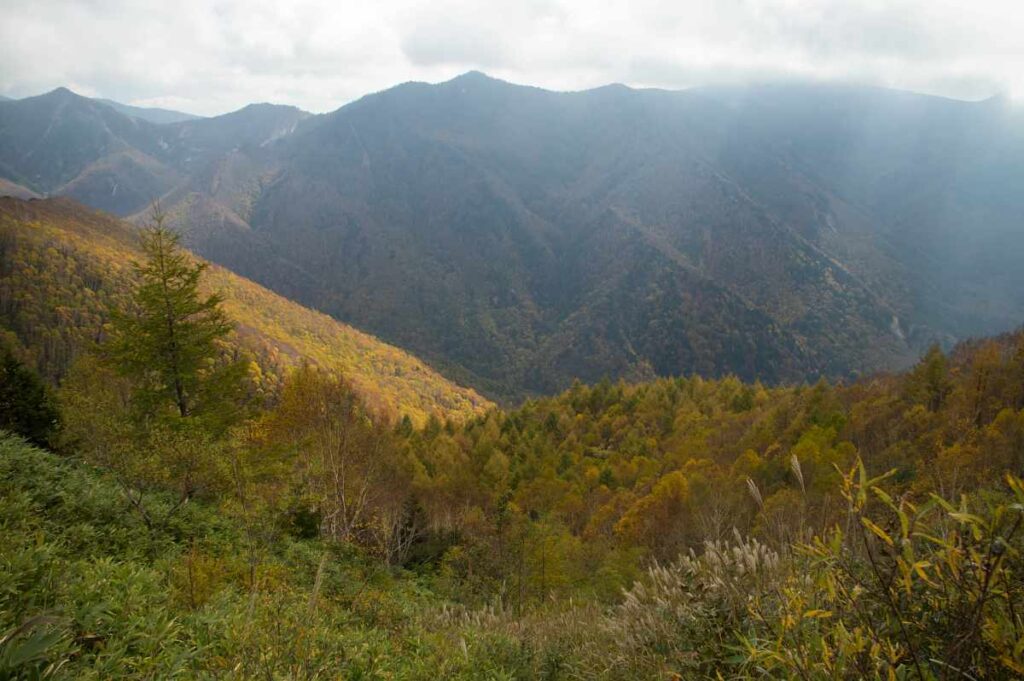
171, 511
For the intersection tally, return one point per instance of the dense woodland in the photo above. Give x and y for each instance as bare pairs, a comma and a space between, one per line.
164, 518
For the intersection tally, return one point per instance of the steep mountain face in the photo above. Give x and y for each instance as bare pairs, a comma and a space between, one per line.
64, 266
518, 238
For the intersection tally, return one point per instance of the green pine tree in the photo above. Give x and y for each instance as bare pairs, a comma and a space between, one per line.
168, 344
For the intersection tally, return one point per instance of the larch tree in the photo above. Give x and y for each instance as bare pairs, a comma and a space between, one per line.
168, 344
157, 407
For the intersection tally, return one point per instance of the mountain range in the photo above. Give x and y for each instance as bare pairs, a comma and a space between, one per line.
518, 238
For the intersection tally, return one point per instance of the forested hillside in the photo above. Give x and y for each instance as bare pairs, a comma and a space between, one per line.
64, 267
662, 466
518, 238
681, 528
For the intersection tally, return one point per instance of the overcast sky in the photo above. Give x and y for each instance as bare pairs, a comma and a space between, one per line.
215, 56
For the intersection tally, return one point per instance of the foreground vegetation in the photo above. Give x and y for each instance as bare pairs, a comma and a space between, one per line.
91, 592
182, 524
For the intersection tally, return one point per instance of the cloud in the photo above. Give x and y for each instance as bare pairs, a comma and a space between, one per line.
215, 56
453, 35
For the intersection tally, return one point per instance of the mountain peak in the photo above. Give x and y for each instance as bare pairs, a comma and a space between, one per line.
58, 95
264, 109
474, 76
476, 79
268, 106
611, 88
61, 92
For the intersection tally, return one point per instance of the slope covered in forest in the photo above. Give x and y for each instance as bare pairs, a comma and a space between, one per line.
63, 267
685, 528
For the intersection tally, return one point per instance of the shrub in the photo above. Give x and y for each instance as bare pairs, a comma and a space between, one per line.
683, 616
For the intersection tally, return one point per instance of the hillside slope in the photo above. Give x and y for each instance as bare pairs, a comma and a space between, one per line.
62, 265
561, 506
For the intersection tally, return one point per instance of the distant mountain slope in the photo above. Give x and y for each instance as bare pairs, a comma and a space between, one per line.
61, 143
908, 191
62, 265
148, 113
775, 232
528, 237
50, 141
517, 238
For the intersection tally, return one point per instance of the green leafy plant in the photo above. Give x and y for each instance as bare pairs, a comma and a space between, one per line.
35, 650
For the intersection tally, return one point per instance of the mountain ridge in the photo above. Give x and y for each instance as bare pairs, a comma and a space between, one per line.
152, 114
780, 232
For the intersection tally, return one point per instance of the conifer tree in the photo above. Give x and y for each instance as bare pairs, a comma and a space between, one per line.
168, 344
158, 406
26, 406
